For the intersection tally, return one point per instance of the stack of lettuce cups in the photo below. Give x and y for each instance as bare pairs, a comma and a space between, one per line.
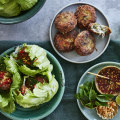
11, 8
16, 11
26, 78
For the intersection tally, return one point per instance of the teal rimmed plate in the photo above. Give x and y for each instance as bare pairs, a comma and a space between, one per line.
91, 114
46, 108
23, 16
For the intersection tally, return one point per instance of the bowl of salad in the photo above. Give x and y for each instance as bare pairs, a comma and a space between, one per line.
16, 11
31, 83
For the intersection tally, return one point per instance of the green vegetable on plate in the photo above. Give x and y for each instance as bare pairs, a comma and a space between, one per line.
90, 98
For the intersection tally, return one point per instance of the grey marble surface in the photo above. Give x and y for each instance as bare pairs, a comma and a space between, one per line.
37, 28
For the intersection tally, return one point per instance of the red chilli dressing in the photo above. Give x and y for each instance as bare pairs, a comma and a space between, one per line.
109, 86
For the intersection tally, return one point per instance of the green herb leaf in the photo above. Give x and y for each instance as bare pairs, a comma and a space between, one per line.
92, 94
90, 105
81, 93
77, 96
98, 103
107, 95
102, 98
85, 98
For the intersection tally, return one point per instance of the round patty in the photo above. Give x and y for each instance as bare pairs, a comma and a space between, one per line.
85, 43
65, 43
85, 15
65, 22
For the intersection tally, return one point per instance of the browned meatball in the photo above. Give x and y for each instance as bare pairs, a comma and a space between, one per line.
85, 43
65, 22
85, 15
65, 43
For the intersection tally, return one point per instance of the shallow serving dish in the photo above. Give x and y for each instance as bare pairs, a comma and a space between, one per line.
101, 43
91, 114
23, 16
45, 109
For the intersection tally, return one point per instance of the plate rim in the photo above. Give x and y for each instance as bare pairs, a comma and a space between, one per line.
61, 94
90, 68
51, 40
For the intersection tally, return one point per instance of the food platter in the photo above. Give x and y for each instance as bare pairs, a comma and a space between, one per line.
45, 109
101, 43
91, 113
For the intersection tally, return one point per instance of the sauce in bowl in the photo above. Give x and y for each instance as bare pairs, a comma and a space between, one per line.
108, 86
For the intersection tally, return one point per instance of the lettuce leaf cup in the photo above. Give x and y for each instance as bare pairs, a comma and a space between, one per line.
10, 81
36, 90
38, 84
31, 59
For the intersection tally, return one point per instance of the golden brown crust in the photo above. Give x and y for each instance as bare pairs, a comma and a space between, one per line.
85, 43
65, 22
65, 42
89, 28
108, 30
85, 14
107, 112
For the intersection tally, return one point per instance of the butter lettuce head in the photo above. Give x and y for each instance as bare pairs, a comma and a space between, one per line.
9, 8
26, 4
6, 98
42, 93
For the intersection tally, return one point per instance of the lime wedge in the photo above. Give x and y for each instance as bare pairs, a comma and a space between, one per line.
118, 100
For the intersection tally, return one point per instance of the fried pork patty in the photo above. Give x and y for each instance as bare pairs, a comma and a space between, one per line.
65, 43
99, 29
65, 22
85, 43
85, 15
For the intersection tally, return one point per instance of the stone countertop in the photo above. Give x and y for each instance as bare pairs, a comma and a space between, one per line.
37, 28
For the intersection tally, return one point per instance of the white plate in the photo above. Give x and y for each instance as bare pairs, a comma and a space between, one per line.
91, 114
101, 43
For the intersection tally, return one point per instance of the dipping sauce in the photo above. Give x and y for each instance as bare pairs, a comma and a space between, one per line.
109, 86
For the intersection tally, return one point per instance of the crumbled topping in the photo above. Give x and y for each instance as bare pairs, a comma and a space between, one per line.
107, 112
